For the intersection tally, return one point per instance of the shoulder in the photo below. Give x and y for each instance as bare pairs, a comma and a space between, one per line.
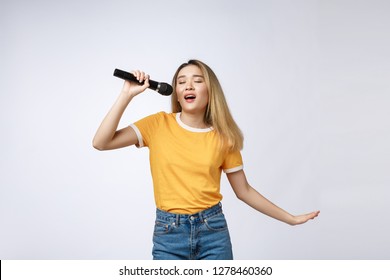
156, 120
165, 117
158, 116
164, 114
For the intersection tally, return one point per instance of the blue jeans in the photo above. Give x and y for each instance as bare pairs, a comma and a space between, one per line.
200, 236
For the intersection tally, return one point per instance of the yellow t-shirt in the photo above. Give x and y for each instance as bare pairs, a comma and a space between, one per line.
185, 162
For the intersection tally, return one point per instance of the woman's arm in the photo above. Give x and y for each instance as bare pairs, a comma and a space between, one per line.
107, 136
250, 196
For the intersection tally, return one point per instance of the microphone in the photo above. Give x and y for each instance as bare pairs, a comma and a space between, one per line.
161, 88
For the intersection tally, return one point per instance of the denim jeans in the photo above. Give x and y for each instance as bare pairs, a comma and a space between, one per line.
200, 236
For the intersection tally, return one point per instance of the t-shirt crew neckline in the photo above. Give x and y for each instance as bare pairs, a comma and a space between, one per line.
189, 128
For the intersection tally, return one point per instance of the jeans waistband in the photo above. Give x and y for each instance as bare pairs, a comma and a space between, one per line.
200, 216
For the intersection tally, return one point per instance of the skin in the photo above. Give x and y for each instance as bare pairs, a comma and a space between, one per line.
190, 82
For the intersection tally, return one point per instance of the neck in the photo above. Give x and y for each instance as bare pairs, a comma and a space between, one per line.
193, 120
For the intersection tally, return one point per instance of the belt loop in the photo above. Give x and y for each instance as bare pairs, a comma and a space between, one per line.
177, 219
201, 216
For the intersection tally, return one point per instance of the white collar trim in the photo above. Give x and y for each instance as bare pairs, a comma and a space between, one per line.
189, 128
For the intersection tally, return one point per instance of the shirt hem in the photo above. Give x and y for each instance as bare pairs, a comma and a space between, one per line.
139, 136
234, 169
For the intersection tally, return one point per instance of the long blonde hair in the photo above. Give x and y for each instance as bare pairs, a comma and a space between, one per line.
217, 113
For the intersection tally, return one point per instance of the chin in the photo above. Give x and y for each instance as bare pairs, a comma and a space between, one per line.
192, 110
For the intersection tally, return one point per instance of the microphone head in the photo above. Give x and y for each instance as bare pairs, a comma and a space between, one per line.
165, 89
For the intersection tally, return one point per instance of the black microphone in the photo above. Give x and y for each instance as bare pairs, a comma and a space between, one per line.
161, 88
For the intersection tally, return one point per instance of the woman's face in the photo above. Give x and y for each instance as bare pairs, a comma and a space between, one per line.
191, 90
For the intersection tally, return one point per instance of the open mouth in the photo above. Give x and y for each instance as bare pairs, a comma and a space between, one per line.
190, 97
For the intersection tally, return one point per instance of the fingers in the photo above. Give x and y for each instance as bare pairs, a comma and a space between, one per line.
132, 88
311, 216
315, 214
141, 76
301, 219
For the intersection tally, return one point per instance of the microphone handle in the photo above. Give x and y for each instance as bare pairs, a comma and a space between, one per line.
161, 88
130, 77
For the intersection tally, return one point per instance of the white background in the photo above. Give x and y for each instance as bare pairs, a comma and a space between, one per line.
307, 81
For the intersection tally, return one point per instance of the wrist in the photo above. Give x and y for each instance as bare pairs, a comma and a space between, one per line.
291, 220
126, 96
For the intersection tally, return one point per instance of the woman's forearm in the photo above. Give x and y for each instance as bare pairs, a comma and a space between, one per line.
107, 136
257, 201
254, 199
109, 125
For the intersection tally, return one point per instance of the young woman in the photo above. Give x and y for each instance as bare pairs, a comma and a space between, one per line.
189, 148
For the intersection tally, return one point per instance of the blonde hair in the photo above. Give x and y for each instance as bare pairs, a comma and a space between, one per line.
217, 112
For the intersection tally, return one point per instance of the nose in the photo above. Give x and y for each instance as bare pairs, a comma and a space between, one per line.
189, 86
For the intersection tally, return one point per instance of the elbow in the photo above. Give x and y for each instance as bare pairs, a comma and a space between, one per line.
98, 148
240, 196
97, 145
243, 192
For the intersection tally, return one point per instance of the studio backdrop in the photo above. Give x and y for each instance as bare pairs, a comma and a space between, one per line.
307, 82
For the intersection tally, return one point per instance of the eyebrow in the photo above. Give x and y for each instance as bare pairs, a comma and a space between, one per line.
195, 76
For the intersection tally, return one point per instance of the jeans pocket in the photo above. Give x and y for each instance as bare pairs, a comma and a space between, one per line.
216, 223
162, 227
